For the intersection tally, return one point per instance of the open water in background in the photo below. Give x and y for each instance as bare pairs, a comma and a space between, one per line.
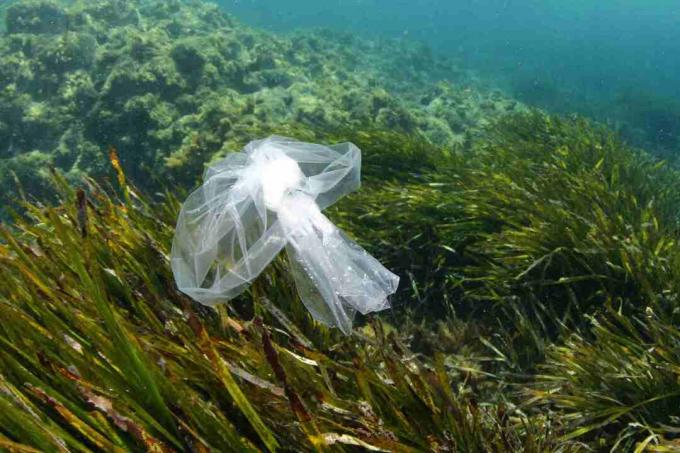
615, 60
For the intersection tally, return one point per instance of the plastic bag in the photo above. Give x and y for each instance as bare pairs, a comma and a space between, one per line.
253, 204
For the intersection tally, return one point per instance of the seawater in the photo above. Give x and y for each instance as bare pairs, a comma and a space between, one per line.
617, 61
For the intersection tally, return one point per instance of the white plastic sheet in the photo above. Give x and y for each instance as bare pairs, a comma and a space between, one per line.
253, 204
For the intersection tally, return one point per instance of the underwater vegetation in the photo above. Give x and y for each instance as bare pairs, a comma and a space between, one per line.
540, 270
169, 82
539, 312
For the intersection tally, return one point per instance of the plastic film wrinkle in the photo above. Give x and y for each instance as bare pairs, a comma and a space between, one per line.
267, 197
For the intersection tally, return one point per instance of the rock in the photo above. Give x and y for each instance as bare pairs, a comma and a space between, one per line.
69, 52
172, 83
39, 16
188, 57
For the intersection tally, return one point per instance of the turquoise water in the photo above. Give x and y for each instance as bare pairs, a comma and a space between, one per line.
618, 61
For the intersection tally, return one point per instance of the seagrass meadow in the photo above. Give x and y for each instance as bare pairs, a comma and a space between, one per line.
538, 313
539, 303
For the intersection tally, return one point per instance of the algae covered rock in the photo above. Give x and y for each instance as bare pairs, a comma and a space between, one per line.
36, 17
152, 78
188, 57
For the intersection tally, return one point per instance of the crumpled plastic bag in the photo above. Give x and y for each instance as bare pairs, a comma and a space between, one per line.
254, 203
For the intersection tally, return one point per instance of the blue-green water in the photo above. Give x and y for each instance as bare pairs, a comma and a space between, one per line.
616, 60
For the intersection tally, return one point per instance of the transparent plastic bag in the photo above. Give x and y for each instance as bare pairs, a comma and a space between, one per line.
254, 203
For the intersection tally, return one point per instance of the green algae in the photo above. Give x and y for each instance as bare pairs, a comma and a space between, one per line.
149, 77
